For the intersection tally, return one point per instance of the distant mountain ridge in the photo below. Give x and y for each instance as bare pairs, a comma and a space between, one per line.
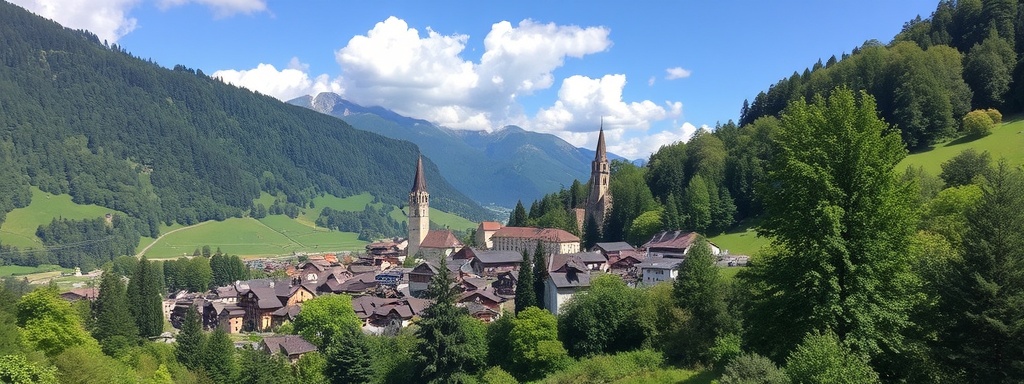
498, 167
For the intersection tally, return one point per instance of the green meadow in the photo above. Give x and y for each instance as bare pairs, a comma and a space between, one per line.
19, 229
1006, 141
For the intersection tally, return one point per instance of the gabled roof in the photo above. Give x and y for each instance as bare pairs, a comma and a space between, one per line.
288, 311
614, 247
490, 225
567, 280
680, 240
635, 255
589, 257
482, 294
565, 261
498, 257
289, 345
266, 298
440, 239
660, 263
419, 184
545, 234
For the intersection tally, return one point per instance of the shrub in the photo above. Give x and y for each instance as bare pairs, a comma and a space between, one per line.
753, 369
496, 375
822, 358
978, 123
997, 118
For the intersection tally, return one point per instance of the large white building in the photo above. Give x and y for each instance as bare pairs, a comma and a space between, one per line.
520, 239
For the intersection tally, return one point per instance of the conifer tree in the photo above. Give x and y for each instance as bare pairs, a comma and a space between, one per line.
446, 348
670, 220
591, 233
525, 295
700, 291
540, 273
219, 358
349, 358
144, 300
518, 217
191, 340
113, 318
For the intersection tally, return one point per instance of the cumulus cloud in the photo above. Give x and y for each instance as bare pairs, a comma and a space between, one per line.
583, 102
221, 8
425, 76
677, 73
108, 19
285, 84
641, 146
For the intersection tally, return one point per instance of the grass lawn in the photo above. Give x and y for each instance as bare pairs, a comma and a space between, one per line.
19, 229
671, 375
741, 240
270, 236
729, 273
1006, 141
18, 270
351, 203
449, 220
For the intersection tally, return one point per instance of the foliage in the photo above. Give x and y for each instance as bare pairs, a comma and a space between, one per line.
631, 198
499, 346
946, 213
349, 358
753, 369
15, 369
496, 375
962, 169
258, 367
86, 365
603, 318
540, 274
700, 292
310, 369
525, 295
50, 325
518, 216
644, 227
325, 317
219, 357
980, 315
608, 368
977, 123
144, 300
534, 350
191, 341
95, 241
822, 358
370, 223
839, 219
225, 269
394, 362
452, 342
995, 115
112, 315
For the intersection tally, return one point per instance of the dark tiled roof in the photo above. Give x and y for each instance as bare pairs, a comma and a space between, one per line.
471, 296
672, 239
289, 311
589, 257
498, 257
614, 247
420, 182
660, 263
266, 298
565, 280
288, 345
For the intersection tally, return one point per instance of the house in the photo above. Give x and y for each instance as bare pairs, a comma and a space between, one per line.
491, 263
439, 243
625, 260
505, 285
567, 274
290, 346
657, 269
524, 239
609, 249
674, 244
484, 232
81, 294
419, 277
378, 253
331, 281
229, 317
594, 261
359, 284
484, 297
482, 312
387, 315
262, 298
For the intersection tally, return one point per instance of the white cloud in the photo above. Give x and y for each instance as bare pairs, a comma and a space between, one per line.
642, 146
221, 8
108, 19
285, 84
650, 81
425, 76
677, 73
583, 102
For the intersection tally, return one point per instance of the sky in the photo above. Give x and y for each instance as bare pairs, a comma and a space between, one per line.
653, 71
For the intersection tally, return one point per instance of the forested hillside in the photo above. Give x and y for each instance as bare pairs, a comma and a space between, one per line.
163, 146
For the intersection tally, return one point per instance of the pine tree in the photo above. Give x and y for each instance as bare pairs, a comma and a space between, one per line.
525, 295
591, 233
670, 221
191, 340
540, 273
697, 204
349, 358
219, 358
446, 348
113, 318
700, 291
518, 217
144, 300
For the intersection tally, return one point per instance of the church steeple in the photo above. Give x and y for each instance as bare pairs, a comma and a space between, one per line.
419, 183
601, 154
599, 202
418, 210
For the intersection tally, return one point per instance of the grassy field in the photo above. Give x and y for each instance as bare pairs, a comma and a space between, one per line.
19, 229
742, 240
272, 235
17, 270
1006, 141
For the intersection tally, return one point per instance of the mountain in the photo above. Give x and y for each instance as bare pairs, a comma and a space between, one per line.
498, 167
166, 145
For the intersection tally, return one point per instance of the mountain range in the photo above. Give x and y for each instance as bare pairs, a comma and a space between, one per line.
497, 167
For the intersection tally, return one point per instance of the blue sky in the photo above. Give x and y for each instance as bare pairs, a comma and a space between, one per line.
654, 70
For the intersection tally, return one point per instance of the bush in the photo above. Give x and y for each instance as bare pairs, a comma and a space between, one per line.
997, 118
978, 123
496, 375
822, 358
753, 369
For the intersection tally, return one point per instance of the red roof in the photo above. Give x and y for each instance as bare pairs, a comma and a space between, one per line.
490, 225
672, 239
439, 239
546, 234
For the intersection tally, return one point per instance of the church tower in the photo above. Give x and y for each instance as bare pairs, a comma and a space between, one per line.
599, 202
419, 210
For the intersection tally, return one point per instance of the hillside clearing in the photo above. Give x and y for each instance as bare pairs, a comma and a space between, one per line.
19, 229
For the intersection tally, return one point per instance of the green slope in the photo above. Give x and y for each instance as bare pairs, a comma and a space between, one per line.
1006, 141
20, 227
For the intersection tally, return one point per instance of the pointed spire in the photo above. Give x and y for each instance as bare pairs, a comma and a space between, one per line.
420, 183
601, 154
